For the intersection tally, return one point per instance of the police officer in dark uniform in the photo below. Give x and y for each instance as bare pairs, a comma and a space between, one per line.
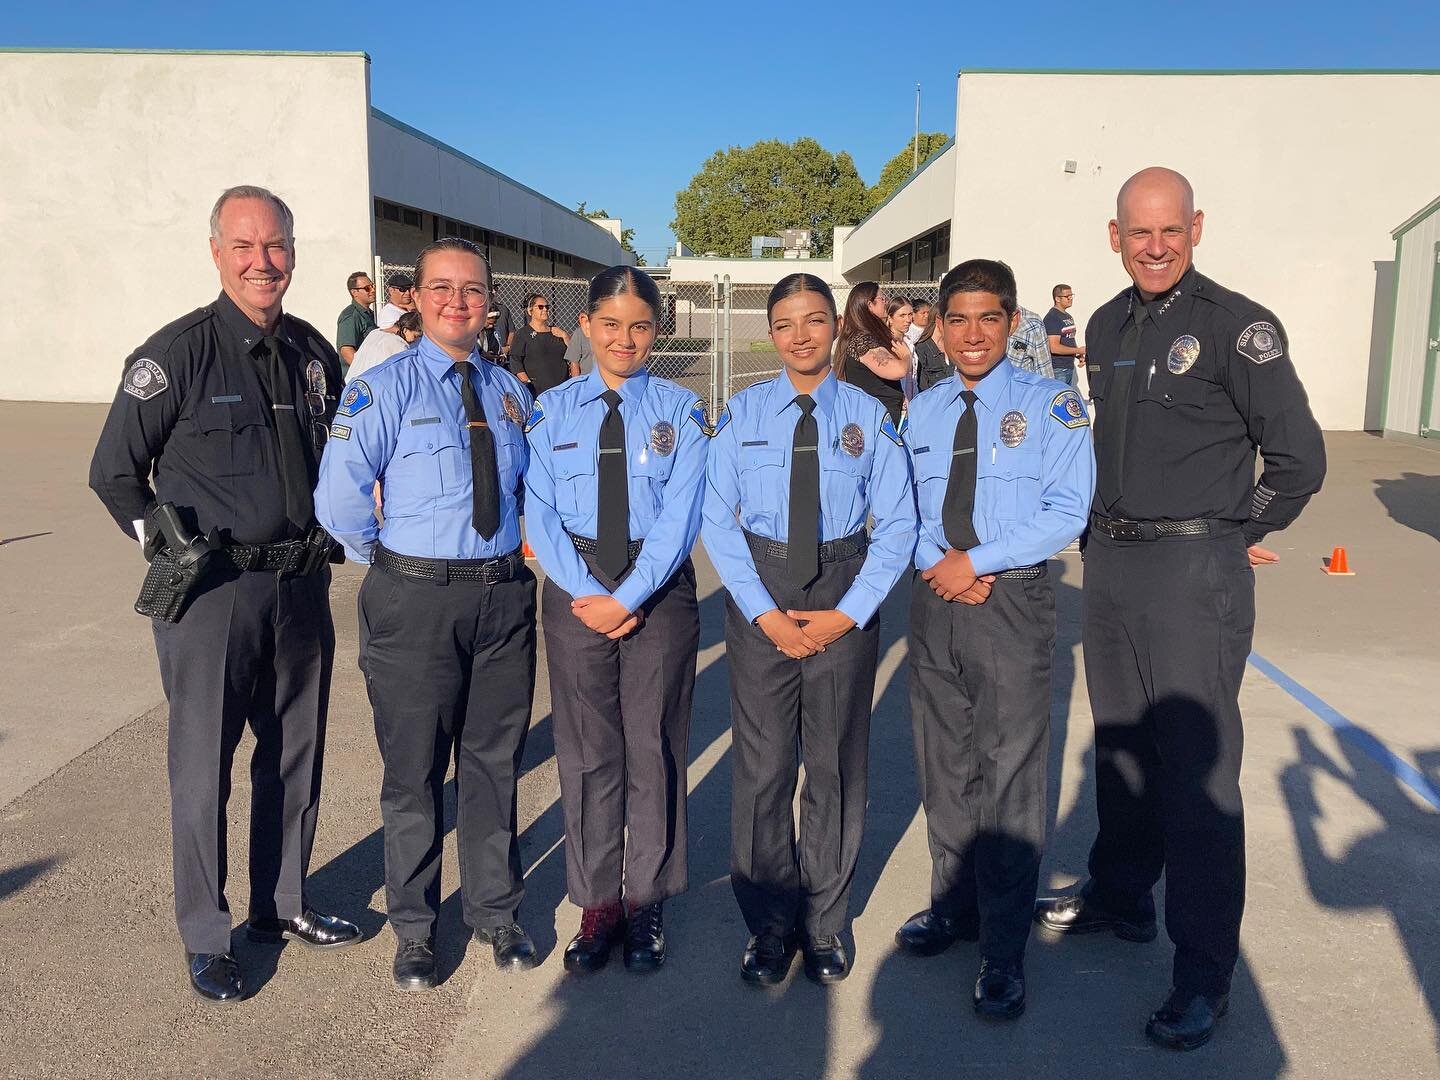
228, 408
447, 611
1189, 380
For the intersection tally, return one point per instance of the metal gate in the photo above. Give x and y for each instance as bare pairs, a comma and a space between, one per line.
713, 336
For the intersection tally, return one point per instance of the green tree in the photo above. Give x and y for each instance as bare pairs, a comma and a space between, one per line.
897, 169
760, 189
627, 236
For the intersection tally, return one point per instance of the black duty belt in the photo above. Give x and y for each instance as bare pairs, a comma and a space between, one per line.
443, 571
1024, 573
1121, 529
286, 557
589, 546
774, 551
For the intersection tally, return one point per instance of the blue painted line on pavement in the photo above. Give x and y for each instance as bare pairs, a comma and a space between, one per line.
1357, 736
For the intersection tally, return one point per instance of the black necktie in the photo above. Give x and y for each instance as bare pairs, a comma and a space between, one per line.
485, 477
294, 464
1115, 414
612, 496
957, 513
803, 553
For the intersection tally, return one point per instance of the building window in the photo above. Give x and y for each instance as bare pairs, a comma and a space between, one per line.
412, 217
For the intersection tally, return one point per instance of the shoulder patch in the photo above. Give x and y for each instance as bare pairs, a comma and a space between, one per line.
145, 380
893, 431
721, 422
537, 413
356, 399
1260, 343
697, 414
1069, 409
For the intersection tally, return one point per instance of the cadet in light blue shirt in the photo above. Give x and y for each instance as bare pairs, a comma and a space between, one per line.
797, 466
617, 472
447, 610
1004, 472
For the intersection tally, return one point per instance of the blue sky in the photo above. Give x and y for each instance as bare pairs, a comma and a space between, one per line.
618, 104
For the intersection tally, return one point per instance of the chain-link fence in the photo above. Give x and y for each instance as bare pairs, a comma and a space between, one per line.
713, 336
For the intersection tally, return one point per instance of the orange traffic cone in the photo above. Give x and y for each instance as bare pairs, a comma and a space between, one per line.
1339, 565
527, 550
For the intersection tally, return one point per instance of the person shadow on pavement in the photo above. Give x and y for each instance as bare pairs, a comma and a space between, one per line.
1392, 869
1413, 500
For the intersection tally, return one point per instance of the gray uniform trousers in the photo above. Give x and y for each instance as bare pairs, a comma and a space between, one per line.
783, 712
622, 742
249, 649
980, 706
1167, 630
449, 667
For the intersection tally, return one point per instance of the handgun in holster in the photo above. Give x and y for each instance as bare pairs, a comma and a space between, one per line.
178, 558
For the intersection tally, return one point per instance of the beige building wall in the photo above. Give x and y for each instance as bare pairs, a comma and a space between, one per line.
111, 163
1419, 262
1301, 176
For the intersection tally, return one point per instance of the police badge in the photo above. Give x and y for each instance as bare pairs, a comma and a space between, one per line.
852, 440
315, 382
1013, 428
662, 438
1184, 351
512, 409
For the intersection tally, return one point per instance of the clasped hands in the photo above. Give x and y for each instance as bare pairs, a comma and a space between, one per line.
954, 578
606, 615
799, 634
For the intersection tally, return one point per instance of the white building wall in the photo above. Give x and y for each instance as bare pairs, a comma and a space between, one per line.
922, 204
748, 271
410, 168
111, 163
1301, 177
1416, 276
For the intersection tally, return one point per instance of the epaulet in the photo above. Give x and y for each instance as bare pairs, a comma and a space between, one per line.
537, 413
166, 335
893, 431
1069, 409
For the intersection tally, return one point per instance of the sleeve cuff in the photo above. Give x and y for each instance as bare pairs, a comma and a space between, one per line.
927, 555
987, 559
632, 592
858, 605
753, 601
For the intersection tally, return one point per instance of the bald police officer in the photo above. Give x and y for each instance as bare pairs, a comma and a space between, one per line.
1189, 380
226, 409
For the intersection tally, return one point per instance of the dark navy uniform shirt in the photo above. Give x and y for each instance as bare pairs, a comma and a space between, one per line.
863, 472
665, 447
193, 409
1212, 383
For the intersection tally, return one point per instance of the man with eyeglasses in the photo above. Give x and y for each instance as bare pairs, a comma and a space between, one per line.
225, 411
1060, 331
356, 320
399, 298
447, 610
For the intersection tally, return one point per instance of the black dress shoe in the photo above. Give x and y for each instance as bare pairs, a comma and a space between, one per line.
215, 977
1082, 913
311, 929
600, 930
927, 933
1186, 1020
767, 958
825, 959
645, 938
511, 945
1000, 989
414, 967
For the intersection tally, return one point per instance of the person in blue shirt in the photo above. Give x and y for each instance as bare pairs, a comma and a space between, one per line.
797, 465
447, 610
617, 473
1004, 472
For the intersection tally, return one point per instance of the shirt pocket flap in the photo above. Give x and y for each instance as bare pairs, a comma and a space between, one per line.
229, 412
568, 464
932, 465
1011, 465
1179, 390
755, 457
427, 438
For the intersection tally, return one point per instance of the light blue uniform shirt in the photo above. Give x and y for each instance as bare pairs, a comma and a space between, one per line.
863, 471
403, 423
665, 446
1032, 497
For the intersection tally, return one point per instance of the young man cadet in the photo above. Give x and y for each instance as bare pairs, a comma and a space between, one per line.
1189, 379
1004, 473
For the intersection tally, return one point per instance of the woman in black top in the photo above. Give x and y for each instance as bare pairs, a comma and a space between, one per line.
537, 356
930, 363
862, 351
